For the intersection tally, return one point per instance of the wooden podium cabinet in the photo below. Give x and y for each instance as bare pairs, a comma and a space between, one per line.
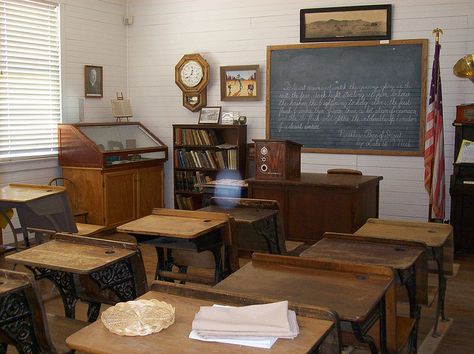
317, 202
116, 170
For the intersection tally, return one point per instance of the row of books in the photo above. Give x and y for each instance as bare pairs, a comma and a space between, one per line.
196, 137
220, 159
185, 202
189, 181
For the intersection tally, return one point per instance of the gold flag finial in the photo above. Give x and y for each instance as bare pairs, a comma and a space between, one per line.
437, 32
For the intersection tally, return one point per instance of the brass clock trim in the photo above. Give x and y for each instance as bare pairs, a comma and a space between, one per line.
195, 101
205, 69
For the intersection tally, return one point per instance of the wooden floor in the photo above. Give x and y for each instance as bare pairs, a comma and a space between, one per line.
459, 304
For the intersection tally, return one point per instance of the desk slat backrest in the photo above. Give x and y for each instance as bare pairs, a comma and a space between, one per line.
97, 339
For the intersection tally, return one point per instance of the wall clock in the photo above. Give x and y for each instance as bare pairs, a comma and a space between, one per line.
192, 77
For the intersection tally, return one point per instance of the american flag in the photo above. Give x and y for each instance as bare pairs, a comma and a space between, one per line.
434, 144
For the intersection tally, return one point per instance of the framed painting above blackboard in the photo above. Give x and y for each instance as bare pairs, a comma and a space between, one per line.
348, 97
351, 23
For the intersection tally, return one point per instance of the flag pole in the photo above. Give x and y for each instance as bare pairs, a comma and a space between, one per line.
436, 32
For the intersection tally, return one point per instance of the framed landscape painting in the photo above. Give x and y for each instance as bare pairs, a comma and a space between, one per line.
239, 83
352, 23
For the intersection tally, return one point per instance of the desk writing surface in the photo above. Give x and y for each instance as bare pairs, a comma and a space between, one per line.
7, 285
69, 256
172, 226
95, 338
432, 234
365, 252
243, 215
351, 295
22, 193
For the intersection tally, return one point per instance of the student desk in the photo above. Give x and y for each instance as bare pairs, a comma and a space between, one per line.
89, 269
42, 207
180, 230
402, 257
95, 338
434, 236
263, 221
357, 293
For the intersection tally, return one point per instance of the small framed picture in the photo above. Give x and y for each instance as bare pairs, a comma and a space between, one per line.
93, 81
350, 23
239, 83
209, 115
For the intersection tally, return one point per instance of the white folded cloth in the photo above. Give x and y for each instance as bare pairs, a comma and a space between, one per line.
268, 320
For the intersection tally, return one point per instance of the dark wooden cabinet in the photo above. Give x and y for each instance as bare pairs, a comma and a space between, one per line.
116, 170
205, 152
461, 189
316, 203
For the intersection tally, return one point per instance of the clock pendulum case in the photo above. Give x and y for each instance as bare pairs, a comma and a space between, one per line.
192, 77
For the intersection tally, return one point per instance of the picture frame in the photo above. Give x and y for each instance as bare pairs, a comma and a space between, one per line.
240, 83
93, 81
349, 23
209, 115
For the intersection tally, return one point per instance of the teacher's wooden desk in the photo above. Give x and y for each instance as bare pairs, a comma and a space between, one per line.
357, 293
85, 268
407, 259
173, 229
95, 338
318, 202
435, 236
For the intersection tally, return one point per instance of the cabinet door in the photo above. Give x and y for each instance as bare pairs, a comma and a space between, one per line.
150, 189
120, 194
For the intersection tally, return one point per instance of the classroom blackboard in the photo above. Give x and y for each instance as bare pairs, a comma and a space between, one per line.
357, 97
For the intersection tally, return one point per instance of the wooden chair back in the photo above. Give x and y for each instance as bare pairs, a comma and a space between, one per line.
72, 196
248, 239
344, 171
23, 322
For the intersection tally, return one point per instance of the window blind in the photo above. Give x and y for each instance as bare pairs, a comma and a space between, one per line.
30, 85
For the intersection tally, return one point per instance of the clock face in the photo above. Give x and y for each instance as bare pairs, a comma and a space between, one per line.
191, 73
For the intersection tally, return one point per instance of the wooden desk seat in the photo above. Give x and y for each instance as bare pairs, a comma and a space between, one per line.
24, 323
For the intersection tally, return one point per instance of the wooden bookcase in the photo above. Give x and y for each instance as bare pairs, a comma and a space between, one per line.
203, 152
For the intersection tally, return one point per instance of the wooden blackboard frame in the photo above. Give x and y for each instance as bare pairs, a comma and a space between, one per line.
422, 42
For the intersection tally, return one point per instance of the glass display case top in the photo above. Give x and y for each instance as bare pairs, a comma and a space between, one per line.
120, 137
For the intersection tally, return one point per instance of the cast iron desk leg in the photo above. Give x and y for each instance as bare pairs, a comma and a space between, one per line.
438, 257
64, 282
267, 228
360, 330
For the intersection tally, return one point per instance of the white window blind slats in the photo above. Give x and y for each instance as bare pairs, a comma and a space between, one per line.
30, 78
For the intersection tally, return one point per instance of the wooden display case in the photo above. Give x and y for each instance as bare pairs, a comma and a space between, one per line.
204, 152
116, 169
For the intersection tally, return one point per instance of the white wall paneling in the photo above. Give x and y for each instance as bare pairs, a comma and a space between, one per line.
236, 33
